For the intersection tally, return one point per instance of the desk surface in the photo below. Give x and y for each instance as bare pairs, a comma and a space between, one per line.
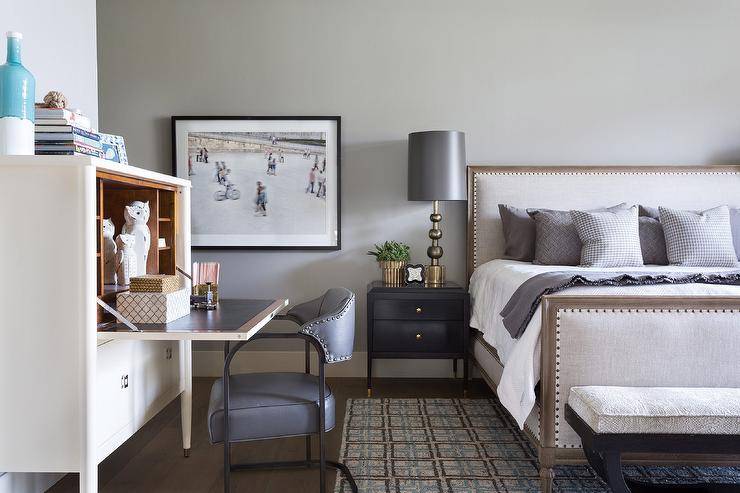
233, 320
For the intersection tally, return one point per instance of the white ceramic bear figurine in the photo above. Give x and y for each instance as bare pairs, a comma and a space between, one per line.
109, 250
125, 259
137, 215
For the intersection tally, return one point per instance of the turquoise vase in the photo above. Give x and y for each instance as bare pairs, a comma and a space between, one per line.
17, 97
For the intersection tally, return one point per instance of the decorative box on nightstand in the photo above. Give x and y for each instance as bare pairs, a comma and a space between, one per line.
417, 322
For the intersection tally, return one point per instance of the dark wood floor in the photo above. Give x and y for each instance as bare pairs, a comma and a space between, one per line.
152, 460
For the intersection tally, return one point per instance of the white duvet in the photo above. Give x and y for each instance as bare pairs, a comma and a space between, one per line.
492, 285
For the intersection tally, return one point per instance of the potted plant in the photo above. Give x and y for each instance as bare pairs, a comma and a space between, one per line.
392, 256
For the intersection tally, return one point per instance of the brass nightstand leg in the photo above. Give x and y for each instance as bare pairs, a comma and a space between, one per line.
369, 392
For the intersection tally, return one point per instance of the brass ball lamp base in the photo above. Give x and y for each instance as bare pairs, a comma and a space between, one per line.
434, 272
435, 275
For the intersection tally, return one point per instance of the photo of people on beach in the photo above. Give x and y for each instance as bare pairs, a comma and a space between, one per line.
274, 184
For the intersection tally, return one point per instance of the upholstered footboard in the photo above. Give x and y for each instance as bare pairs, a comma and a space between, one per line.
629, 341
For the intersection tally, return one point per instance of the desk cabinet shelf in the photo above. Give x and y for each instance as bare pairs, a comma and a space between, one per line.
113, 193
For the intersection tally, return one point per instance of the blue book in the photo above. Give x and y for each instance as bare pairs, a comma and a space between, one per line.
60, 138
70, 147
66, 129
69, 153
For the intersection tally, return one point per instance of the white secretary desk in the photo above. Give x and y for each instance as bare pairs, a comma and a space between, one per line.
68, 398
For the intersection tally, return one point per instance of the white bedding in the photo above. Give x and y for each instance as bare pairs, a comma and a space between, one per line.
492, 285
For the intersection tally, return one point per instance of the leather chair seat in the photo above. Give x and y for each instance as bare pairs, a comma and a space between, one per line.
268, 405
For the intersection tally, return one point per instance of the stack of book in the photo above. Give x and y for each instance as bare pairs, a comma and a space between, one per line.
60, 131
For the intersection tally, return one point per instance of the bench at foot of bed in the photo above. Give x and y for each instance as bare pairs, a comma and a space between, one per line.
612, 421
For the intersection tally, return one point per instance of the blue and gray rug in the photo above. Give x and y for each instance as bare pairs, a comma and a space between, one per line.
466, 445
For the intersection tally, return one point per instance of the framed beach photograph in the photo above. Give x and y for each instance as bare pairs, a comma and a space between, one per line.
260, 182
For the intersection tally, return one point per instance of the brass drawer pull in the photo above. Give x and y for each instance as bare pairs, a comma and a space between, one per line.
418, 337
418, 309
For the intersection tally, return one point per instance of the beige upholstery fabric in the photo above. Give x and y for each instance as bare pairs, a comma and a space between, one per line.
644, 348
677, 410
582, 191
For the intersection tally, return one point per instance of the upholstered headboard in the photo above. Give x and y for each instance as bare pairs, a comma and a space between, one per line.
585, 187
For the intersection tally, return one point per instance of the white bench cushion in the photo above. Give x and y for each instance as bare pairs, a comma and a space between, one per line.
670, 410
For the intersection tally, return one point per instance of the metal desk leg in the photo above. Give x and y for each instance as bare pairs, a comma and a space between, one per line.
186, 398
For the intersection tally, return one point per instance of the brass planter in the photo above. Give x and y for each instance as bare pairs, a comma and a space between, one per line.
392, 271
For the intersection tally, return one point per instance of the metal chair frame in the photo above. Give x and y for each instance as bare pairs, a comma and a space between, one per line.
322, 462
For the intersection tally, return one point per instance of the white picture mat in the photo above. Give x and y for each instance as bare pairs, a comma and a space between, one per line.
330, 130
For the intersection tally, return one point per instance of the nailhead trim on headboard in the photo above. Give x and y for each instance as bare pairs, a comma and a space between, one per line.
475, 175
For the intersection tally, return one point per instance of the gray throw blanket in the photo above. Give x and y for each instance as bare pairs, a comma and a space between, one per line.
524, 302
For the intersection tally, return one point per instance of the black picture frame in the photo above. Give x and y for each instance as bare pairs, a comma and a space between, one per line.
336, 120
406, 277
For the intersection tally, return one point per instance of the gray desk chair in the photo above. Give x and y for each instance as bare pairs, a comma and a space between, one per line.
263, 406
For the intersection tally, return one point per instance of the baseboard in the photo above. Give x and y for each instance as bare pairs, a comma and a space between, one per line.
210, 364
28, 482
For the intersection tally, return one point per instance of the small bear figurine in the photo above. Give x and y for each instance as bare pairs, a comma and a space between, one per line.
125, 259
109, 249
137, 215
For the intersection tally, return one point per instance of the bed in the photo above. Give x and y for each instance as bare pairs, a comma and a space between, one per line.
664, 335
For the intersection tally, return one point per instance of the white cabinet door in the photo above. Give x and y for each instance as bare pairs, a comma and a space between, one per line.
115, 402
153, 382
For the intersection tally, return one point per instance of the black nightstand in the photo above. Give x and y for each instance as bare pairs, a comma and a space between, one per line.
417, 322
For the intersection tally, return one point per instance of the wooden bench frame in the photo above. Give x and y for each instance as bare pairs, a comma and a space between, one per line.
604, 450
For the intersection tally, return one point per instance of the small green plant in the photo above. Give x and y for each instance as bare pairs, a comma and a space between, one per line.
391, 250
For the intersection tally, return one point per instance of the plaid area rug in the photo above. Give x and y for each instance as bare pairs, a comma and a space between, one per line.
466, 445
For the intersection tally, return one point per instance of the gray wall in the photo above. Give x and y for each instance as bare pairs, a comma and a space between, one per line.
530, 82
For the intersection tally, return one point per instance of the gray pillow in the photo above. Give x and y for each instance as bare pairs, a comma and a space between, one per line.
556, 238
609, 238
519, 233
699, 239
647, 211
652, 242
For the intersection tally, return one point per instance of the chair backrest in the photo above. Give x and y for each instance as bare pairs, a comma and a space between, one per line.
334, 328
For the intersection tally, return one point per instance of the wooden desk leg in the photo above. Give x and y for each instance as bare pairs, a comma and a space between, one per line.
186, 398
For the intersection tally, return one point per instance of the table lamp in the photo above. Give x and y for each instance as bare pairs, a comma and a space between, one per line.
436, 172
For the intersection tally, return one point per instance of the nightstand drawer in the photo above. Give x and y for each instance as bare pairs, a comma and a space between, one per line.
417, 337
418, 310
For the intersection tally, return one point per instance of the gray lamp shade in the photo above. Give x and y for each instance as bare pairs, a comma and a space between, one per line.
437, 165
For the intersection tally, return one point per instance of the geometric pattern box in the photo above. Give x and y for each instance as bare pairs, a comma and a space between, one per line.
153, 308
